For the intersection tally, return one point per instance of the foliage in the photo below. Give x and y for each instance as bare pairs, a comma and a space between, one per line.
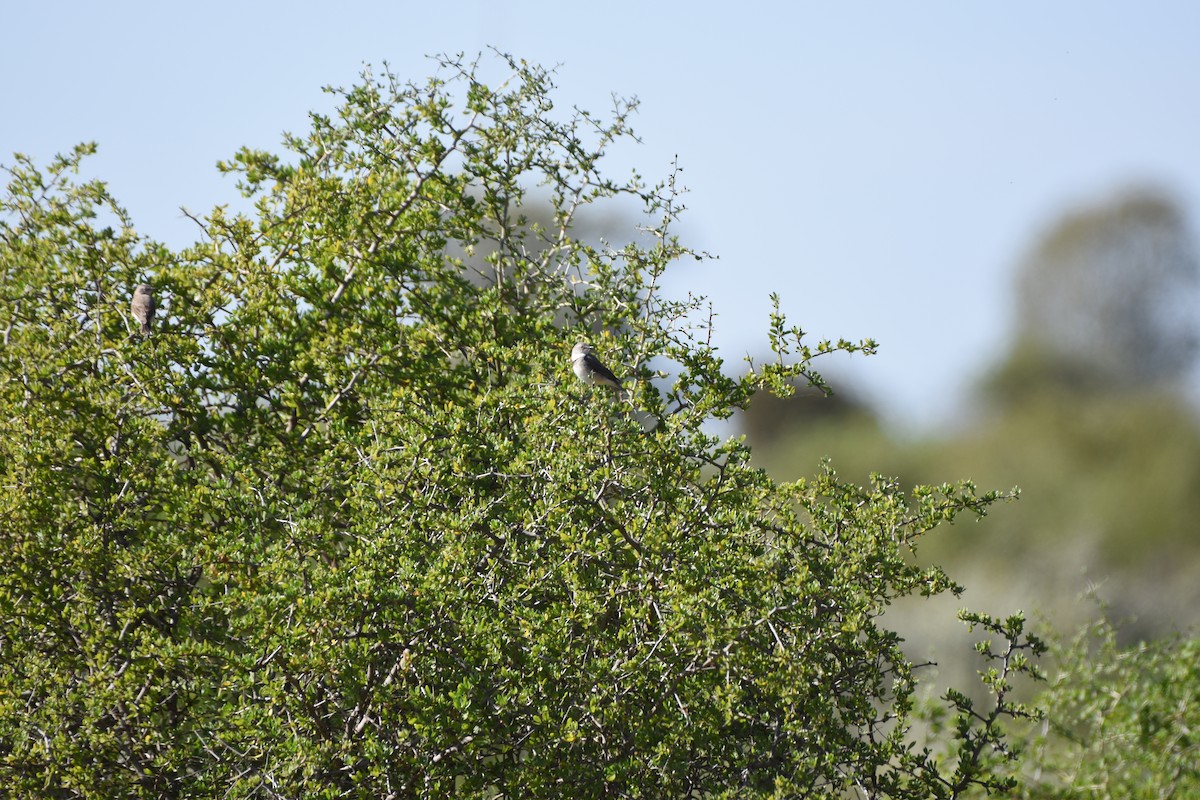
344, 525
1120, 723
981, 740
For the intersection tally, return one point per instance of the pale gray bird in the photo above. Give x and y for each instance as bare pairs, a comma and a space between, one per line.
143, 306
589, 369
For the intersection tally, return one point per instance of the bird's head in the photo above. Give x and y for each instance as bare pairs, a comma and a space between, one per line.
580, 350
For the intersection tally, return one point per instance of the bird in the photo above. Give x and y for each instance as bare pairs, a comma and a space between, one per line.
589, 369
143, 306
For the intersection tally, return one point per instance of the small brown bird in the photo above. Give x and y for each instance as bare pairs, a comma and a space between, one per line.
143, 307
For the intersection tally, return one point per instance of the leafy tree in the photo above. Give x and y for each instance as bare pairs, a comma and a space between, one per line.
1105, 300
344, 524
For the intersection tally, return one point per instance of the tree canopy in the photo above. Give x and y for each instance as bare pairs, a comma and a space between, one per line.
344, 524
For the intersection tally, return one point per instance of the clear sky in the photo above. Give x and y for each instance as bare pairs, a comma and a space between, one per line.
883, 166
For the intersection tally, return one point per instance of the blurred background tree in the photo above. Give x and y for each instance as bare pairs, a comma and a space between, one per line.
1106, 301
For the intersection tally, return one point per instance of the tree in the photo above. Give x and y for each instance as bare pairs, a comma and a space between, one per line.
345, 525
1088, 416
1106, 299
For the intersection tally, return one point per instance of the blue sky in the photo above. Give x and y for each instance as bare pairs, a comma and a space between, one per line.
882, 166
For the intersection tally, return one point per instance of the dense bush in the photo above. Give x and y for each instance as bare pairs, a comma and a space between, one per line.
345, 524
1121, 722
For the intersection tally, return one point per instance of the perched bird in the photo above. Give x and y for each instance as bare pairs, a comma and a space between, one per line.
143, 307
589, 369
